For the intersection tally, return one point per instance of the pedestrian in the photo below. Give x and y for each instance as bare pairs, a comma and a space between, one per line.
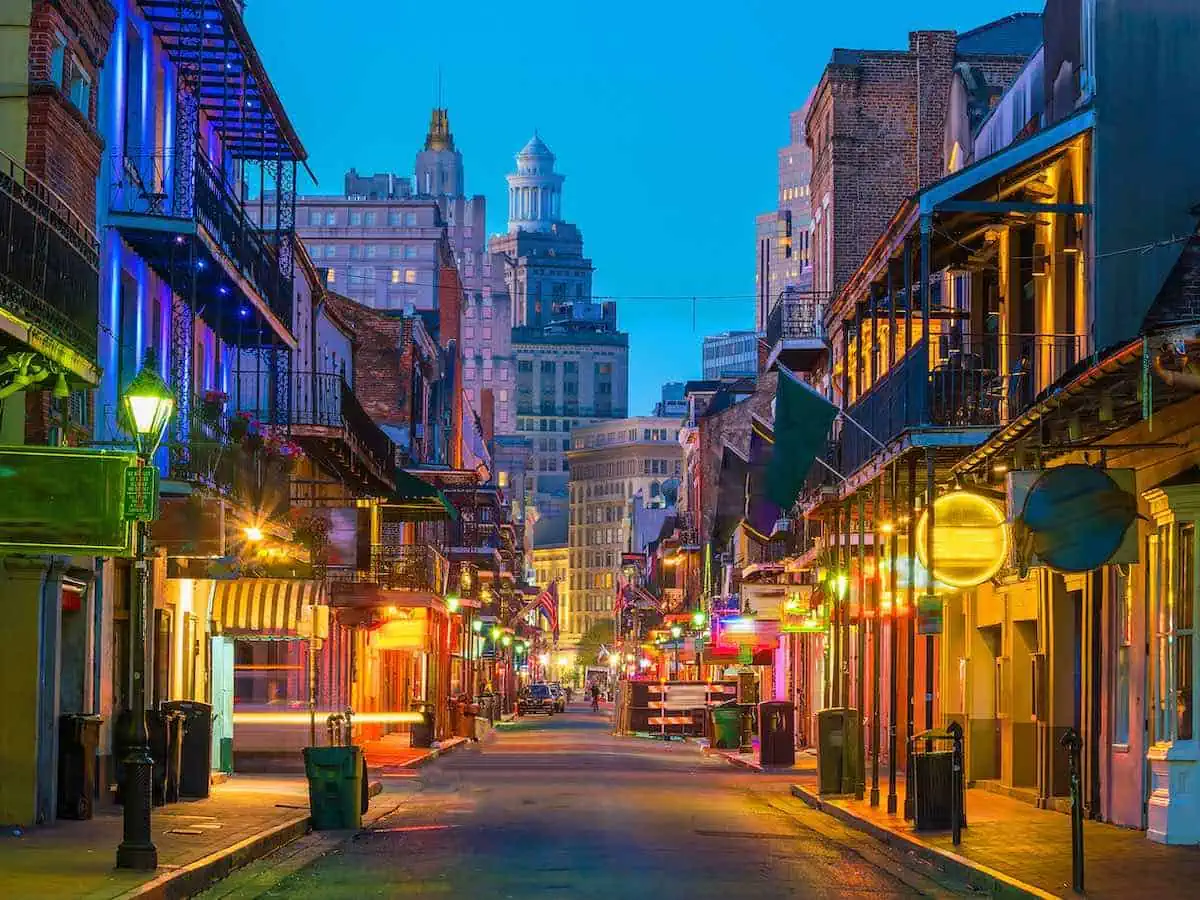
595, 697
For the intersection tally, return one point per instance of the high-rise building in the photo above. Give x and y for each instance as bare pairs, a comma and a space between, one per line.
673, 403
783, 259
611, 462
729, 354
544, 267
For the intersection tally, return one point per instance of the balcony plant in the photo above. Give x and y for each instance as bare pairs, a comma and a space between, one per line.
239, 426
211, 407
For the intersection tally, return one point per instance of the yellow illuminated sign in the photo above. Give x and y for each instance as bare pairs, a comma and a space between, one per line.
970, 539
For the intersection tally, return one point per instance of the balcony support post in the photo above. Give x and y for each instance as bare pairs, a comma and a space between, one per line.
894, 637
833, 683
891, 292
910, 531
926, 300
860, 648
858, 351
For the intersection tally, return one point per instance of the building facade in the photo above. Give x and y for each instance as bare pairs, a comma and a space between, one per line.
783, 235
729, 354
612, 463
565, 378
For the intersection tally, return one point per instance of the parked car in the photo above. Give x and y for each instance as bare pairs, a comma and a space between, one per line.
536, 699
559, 695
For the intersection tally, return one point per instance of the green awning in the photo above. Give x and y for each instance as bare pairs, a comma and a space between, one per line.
416, 500
802, 422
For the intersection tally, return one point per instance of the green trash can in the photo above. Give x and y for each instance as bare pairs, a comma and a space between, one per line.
335, 786
727, 726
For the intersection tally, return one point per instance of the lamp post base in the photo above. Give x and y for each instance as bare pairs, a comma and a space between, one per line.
137, 850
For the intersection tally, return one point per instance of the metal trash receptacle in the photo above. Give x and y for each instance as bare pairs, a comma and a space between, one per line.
776, 733
838, 761
421, 734
335, 786
195, 764
78, 738
937, 779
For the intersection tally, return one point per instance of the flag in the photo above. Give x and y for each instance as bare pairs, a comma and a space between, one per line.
547, 605
761, 511
731, 495
802, 422
621, 597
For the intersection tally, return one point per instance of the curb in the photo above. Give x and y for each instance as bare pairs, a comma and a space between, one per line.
976, 875
191, 879
435, 753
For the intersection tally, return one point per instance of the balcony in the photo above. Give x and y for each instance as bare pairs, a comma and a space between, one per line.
418, 571
331, 426
49, 277
965, 388
184, 218
795, 334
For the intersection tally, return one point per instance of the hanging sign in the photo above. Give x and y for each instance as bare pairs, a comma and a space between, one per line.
141, 494
970, 539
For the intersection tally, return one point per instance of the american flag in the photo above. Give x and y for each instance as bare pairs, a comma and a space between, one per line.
547, 604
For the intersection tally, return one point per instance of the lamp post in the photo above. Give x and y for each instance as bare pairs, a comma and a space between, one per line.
147, 405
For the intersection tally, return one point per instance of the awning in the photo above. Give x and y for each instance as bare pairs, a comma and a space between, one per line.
415, 500
802, 422
265, 608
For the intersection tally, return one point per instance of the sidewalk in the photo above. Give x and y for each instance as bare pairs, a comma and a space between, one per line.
1013, 848
244, 818
392, 752
806, 760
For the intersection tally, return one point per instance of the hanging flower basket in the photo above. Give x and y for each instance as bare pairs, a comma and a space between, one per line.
239, 426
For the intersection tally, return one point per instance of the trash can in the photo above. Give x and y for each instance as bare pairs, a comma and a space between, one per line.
78, 738
838, 761
335, 786
934, 783
727, 726
172, 753
196, 754
776, 733
422, 732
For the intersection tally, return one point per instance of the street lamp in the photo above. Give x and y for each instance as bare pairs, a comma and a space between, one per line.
148, 405
676, 633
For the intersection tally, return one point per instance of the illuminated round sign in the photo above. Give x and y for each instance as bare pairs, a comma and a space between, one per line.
970, 539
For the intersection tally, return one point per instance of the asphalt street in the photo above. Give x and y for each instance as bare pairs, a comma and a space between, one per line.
557, 807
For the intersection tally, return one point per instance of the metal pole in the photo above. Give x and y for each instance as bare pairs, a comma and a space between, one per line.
844, 603
910, 713
1071, 741
834, 685
137, 850
894, 680
930, 597
860, 649
875, 623
956, 784
312, 690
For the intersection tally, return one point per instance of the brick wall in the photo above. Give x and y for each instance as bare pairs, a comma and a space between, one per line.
383, 360
1178, 303
64, 148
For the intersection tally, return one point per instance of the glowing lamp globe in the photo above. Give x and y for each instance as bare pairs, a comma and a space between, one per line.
698, 619
676, 631
148, 405
970, 539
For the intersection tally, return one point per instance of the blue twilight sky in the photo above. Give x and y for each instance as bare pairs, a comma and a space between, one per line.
665, 117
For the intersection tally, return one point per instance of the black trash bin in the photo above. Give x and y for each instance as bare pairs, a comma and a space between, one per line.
195, 763
935, 781
78, 738
777, 733
422, 732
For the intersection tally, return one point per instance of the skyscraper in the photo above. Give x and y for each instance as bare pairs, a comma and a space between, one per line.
783, 257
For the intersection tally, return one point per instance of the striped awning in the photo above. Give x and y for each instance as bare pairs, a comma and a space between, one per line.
280, 608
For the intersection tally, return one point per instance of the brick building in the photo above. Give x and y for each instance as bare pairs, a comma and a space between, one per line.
875, 129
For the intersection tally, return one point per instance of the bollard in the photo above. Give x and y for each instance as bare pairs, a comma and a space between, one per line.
956, 783
1073, 744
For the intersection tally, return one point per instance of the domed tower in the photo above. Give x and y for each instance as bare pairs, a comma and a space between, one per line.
534, 190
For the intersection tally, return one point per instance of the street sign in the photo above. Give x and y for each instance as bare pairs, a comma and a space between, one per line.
141, 494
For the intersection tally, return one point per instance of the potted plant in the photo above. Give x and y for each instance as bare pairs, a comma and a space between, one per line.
239, 426
212, 405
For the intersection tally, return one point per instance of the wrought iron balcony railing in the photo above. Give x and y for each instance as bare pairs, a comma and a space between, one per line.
49, 261
411, 568
797, 316
957, 381
187, 187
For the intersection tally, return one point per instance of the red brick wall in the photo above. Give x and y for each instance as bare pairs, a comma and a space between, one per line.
450, 306
383, 360
64, 148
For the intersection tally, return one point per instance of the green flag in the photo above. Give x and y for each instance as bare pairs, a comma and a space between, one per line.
802, 422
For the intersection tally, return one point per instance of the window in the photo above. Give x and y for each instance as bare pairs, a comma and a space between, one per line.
468, 332
487, 332
355, 218
487, 312
393, 217
81, 90
410, 252
370, 218
410, 218
355, 252
330, 276
1172, 591
410, 276
395, 276
315, 251
331, 218
331, 251
314, 217
504, 399
1122, 587
58, 60
371, 251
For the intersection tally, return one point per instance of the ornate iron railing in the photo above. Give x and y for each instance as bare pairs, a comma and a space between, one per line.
797, 316
49, 260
